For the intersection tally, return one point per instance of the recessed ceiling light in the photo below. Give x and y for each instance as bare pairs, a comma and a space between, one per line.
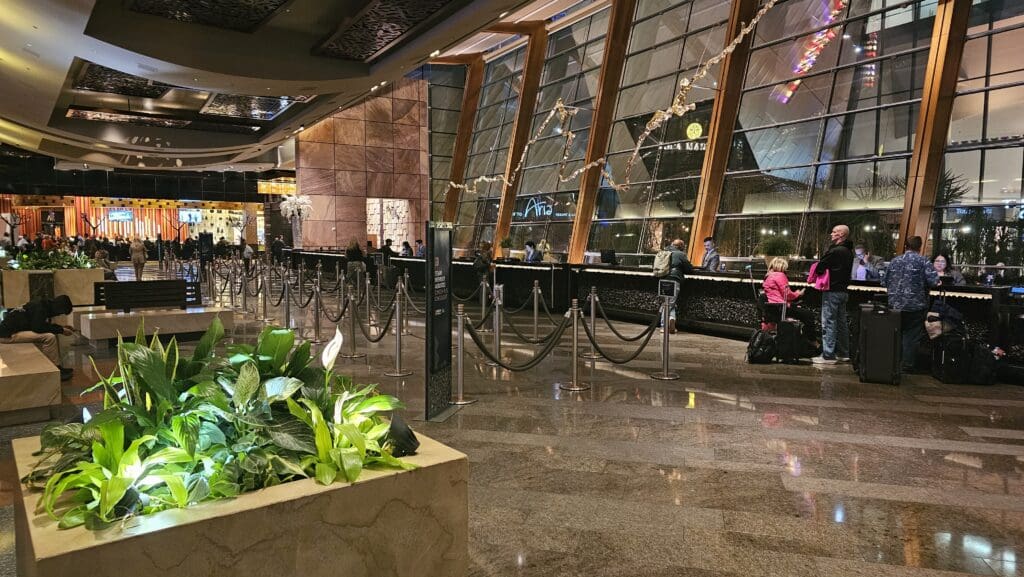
503, 14
196, 79
373, 89
29, 44
435, 54
383, 82
35, 28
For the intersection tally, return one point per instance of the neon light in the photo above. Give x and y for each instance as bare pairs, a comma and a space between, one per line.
813, 48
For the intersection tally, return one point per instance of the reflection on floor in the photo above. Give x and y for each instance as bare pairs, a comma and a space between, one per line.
732, 470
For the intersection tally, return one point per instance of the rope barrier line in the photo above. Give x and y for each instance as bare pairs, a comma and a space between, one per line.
383, 330
470, 297
341, 314
525, 338
600, 311
408, 299
518, 310
648, 333
544, 305
534, 361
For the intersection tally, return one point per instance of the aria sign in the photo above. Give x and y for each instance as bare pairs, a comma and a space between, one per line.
537, 208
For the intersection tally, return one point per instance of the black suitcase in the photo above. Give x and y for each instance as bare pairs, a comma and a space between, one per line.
880, 346
789, 340
951, 359
984, 365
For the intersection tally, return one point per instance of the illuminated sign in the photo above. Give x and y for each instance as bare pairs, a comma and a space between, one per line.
694, 131
539, 208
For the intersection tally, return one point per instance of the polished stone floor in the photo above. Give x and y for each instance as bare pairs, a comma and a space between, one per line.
732, 470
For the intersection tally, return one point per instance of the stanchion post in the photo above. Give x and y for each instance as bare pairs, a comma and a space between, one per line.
369, 317
592, 299
484, 289
536, 307
496, 318
575, 385
317, 305
353, 302
460, 339
231, 284
398, 371
287, 300
665, 374
266, 293
245, 291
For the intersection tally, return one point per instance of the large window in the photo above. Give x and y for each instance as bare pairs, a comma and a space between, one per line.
444, 100
826, 123
488, 152
669, 40
984, 161
545, 206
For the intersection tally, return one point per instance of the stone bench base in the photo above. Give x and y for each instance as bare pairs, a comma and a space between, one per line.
101, 326
29, 384
394, 523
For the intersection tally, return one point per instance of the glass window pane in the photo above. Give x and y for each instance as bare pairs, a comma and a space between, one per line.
1002, 174
1005, 119
860, 185
675, 198
612, 203
961, 179
781, 146
744, 236
660, 232
622, 236
770, 191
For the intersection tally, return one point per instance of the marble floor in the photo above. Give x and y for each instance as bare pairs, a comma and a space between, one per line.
732, 470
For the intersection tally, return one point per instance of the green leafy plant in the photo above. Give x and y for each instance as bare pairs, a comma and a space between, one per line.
506, 242
178, 431
775, 246
49, 260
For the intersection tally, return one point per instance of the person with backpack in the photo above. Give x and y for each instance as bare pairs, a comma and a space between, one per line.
31, 324
672, 264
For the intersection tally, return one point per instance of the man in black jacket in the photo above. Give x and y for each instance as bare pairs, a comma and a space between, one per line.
31, 324
679, 267
838, 261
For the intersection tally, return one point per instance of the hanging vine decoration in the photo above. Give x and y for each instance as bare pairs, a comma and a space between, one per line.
565, 113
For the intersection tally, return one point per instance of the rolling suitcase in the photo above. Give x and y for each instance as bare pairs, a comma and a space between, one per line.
951, 359
880, 345
789, 338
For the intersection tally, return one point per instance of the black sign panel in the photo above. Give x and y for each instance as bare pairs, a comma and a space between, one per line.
439, 318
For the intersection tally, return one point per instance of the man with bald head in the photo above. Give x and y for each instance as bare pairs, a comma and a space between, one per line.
838, 261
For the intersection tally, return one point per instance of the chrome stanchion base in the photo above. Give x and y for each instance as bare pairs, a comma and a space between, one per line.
591, 356
573, 387
665, 376
352, 355
462, 402
402, 373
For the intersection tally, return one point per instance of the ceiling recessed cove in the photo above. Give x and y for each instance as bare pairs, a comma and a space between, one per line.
240, 15
251, 107
383, 25
97, 78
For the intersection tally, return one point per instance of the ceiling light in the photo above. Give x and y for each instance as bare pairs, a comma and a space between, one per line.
85, 165
28, 44
435, 54
503, 14
373, 89
383, 82
846, 36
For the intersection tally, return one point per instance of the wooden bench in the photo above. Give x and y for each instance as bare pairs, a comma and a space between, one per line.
29, 385
100, 327
147, 294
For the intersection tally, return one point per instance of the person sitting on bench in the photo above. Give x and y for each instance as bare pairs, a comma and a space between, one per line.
31, 324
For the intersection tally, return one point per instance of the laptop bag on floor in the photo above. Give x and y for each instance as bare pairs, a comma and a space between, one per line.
880, 346
951, 359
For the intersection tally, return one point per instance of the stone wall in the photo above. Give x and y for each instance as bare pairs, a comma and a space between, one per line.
376, 149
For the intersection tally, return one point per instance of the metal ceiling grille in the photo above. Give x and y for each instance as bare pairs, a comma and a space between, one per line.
97, 78
241, 15
249, 107
383, 24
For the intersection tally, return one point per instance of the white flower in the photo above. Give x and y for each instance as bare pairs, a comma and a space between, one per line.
298, 206
331, 350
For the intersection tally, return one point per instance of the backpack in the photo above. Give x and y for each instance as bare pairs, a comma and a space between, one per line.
662, 263
761, 347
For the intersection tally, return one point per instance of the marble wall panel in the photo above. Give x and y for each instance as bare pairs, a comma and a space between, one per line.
354, 112
347, 131
405, 111
350, 183
407, 186
315, 155
378, 109
407, 161
314, 181
407, 137
379, 184
380, 134
349, 158
319, 132
380, 159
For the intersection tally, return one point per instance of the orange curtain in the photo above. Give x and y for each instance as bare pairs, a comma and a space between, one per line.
146, 222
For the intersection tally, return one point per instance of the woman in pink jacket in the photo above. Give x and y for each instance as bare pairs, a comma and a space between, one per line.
776, 289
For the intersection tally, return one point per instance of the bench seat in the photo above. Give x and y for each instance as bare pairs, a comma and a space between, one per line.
100, 326
29, 384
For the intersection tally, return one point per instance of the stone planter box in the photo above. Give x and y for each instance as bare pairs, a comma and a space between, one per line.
21, 286
389, 523
77, 284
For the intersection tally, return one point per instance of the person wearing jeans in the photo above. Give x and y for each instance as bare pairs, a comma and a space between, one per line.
907, 281
678, 269
838, 262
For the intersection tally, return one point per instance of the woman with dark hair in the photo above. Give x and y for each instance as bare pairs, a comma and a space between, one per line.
942, 265
406, 248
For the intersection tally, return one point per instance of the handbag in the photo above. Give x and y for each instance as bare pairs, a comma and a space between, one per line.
818, 280
761, 348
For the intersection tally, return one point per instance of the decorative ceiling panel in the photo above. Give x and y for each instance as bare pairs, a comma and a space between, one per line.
97, 78
241, 15
160, 122
382, 25
248, 107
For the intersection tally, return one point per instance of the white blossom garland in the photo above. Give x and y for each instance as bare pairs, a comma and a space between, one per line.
298, 206
565, 113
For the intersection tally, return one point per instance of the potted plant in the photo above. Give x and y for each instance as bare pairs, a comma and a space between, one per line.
297, 209
773, 246
177, 431
506, 245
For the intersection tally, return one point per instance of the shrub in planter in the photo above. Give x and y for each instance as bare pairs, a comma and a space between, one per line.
54, 259
178, 431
